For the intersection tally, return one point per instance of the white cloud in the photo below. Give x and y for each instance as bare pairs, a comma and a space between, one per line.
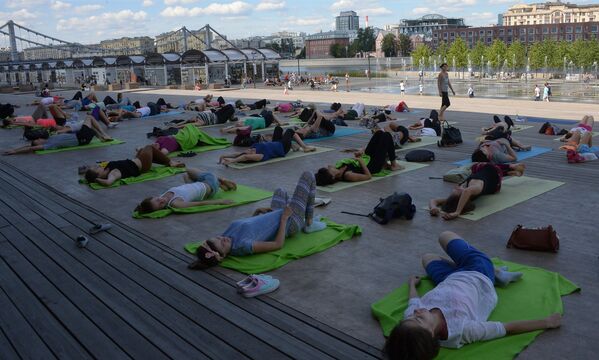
375, 11
147, 3
25, 3
173, 2
268, 5
343, 5
421, 10
234, 8
306, 21
504, 1
60, 5
85, 9
23, 14
116, 20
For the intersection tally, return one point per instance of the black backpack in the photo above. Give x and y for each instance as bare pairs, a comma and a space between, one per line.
393, 206
451, 136
420, 155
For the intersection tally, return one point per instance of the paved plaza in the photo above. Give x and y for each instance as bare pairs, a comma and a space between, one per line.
325, 297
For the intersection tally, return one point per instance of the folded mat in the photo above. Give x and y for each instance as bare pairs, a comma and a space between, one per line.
95, 143
514, 190
342, 185
296, 246
536, 296
521, 155
290, 155
243, 195
339, 132
155, 173
426, 140
595, 133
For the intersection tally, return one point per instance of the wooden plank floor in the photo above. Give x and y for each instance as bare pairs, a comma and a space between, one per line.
128, 296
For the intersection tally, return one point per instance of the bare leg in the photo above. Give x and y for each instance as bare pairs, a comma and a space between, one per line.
304, 147
445, 238
519, 145
588, 120
24, 150
587, 139
91, 122
429, 257
516, 169
104, 118
442, 113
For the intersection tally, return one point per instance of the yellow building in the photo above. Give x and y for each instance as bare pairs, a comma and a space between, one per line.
550, 13
132, 46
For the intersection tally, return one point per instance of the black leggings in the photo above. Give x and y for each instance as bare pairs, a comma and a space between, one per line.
380, 148
284, 139
258, 104
154, 108
109, 101
78, 96
225, 113
161, 102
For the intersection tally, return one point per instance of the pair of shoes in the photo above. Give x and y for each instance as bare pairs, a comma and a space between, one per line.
255, 285
100, 227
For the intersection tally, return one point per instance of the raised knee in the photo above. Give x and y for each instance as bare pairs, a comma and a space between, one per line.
446, 236
427, 258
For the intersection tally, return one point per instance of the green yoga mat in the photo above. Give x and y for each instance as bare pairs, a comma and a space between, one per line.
595, 133
200, 149
426, 140
296, 246
95, 143
155, 173
243, 195
514, 190
536, 296
290, 155
342, 185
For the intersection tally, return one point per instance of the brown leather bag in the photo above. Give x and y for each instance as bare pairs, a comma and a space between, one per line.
537, 239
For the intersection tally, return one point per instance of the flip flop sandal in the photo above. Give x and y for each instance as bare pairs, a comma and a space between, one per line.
100, 227
188, 154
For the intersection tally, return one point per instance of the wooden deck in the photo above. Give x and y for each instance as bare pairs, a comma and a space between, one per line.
127, 295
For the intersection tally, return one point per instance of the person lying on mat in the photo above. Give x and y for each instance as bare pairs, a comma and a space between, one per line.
278, 147
199, 104
381, 153
267, 229
121, 169
318, 125
584, 126
497, 151
150, 109
456, 311
198, 189
80, 133
502, 129
264, 120
485, 180
258, 105
186, 138
399, 133
430, 126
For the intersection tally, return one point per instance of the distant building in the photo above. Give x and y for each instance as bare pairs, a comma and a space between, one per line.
129, 46
4, 54
173, 41
46, 53
500, 20
550, 13
526, 34
318, 45
426, 25
347, 20
378, 43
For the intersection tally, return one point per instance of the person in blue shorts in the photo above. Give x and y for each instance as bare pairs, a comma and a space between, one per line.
278, 147
456, 311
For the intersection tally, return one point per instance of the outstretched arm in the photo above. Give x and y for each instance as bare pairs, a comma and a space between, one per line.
178, 203
113, 176
434, 205
517, 327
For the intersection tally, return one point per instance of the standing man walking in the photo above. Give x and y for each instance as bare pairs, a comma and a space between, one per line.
537, 93
444, 85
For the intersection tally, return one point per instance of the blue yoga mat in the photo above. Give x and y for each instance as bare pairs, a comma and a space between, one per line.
522, 155
544, 120
339, 131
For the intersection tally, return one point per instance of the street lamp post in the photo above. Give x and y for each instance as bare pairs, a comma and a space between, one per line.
298, 66
368, 66
254, 68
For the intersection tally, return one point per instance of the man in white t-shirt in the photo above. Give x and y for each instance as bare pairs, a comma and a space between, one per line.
537, 93
455, 312
402, 87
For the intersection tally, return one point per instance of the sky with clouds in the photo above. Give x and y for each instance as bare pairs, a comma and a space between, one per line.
86, 21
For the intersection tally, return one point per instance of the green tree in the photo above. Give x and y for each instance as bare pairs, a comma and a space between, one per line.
516, 55
405, 45
477, 53
364, 42
336, 50
441, 52
496, 53
458, 50
561, 51
275, 46
582, 52
302, 54
536, 53
389, 45
422, 52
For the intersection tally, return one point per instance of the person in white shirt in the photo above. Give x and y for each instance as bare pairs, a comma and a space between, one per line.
402, 87
421, 88
455, 312
537, 93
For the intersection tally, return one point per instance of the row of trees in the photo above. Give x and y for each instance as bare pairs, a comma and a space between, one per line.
548, 54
